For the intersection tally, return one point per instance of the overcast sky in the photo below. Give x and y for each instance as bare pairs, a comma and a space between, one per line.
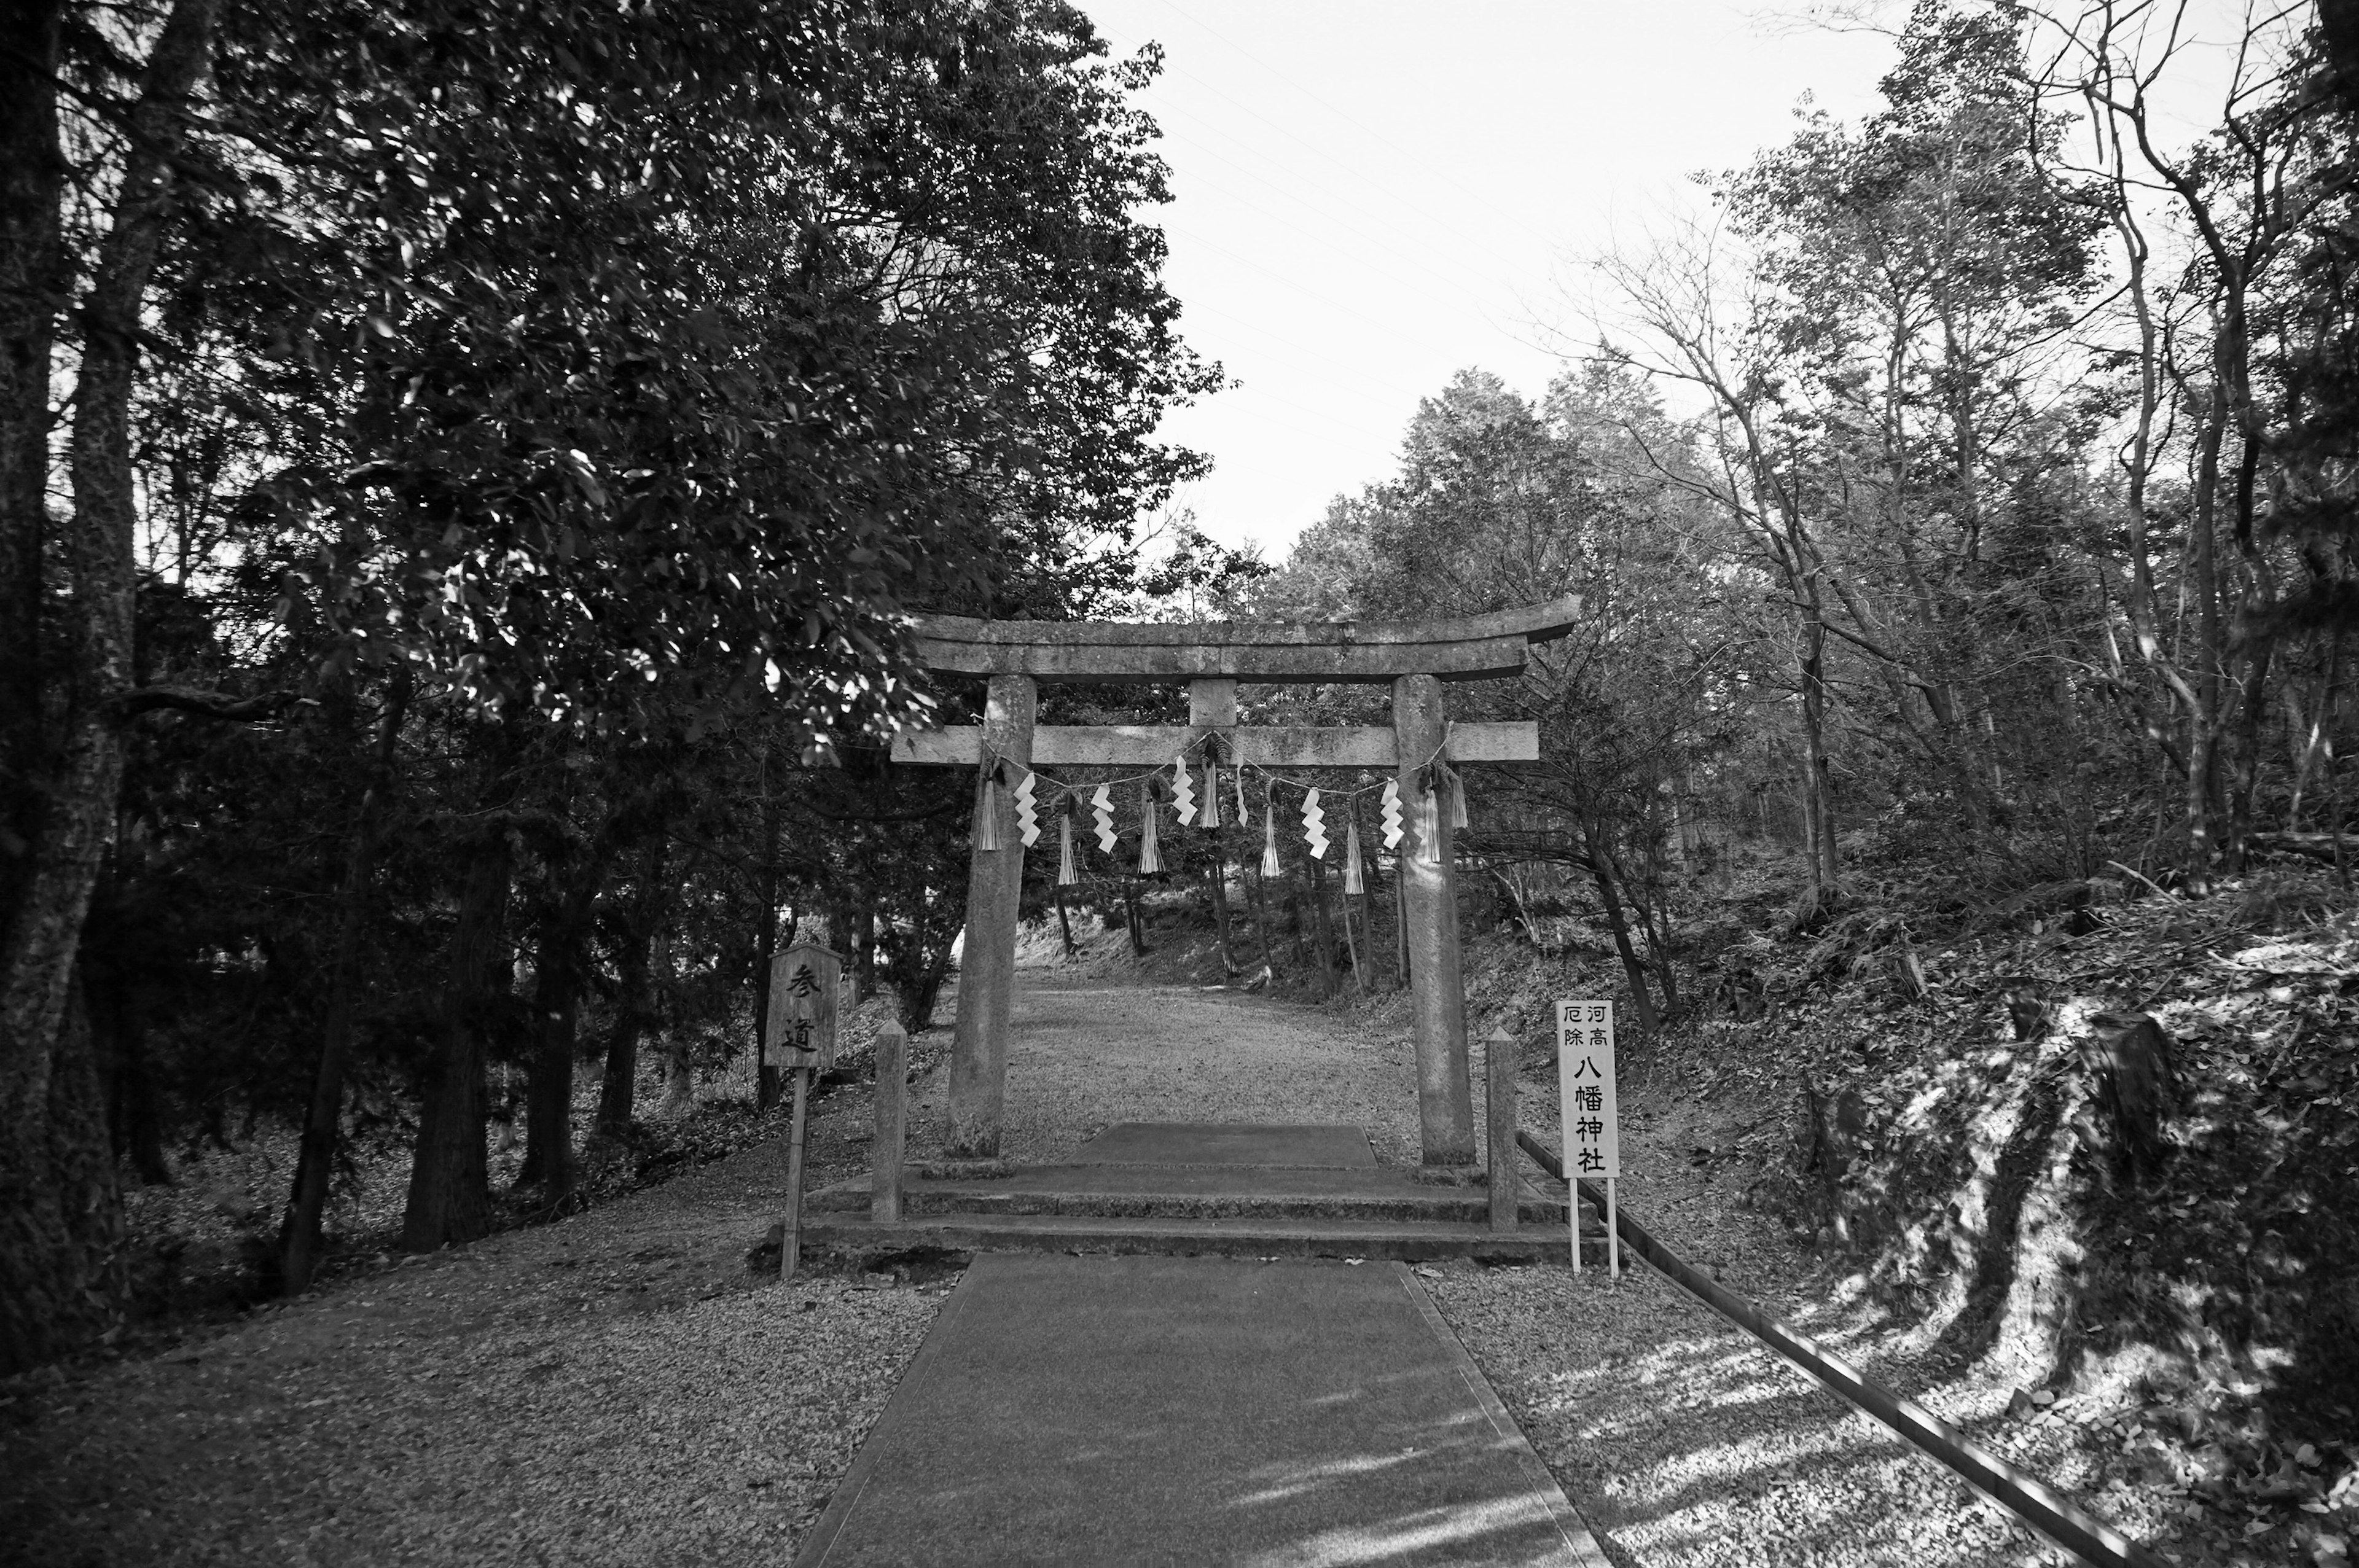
1372, 194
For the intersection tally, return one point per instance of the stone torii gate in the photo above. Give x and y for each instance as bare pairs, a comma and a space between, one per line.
1414, 657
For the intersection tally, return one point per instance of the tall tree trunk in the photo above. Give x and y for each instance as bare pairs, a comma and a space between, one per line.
679, 1069
58, 1292
1322, 932
299, 1227
110, 966
2255, 648
619, 1087
1609, 894
64, 1250
1138, 948
766, 1079
34, 289
135, 1121
1818, 785
2320, 741
855, 948
1216, 876
679, 1079
2202, 721
560, 974
1261, 923
450, 1186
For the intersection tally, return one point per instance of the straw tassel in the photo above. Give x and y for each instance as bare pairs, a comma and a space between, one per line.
1269, 867
1353, 883
1211, 815
1457, 798
1066, 876
1150, 858
1244, 819
986, 815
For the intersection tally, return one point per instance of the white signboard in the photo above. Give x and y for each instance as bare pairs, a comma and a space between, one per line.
1584, 1064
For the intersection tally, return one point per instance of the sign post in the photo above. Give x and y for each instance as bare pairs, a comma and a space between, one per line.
1592, 1140
799, 1036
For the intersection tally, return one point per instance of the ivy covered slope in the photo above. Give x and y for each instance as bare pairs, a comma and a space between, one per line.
2089, 1134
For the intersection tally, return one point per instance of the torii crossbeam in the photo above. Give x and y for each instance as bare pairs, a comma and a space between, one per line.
1413, 656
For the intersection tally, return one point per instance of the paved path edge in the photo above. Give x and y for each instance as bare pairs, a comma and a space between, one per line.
821, 1540
1543, 1481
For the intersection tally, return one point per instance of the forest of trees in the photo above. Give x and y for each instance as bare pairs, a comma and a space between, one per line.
462, 473
1968, 501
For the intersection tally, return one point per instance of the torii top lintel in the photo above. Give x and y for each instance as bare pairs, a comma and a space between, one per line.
1464, 647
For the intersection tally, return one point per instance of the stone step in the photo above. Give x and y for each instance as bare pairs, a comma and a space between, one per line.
1233, 1238
1177, 1190
989, 1200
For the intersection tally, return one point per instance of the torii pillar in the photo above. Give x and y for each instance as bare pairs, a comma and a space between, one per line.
994, 885
1413, 657
1437, 986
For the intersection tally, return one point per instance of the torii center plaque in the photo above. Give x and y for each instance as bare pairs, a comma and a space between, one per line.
1414, 657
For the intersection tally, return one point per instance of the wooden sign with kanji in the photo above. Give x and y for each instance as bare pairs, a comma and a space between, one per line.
801, 1026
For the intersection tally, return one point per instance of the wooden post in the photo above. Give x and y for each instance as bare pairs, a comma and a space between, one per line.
799, 1034
1445, 1097
987, 995
1612, 1232
790, 1238
1573, 1210
1499, 1075
892, 1106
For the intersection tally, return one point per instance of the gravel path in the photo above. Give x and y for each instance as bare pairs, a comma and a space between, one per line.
615, 1389
1086, 1054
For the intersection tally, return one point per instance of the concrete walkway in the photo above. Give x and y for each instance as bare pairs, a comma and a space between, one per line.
1154, 1410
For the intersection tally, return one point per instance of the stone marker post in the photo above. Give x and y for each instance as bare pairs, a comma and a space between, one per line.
1445, 1097
1499, 1102
892, 1105
986, 989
